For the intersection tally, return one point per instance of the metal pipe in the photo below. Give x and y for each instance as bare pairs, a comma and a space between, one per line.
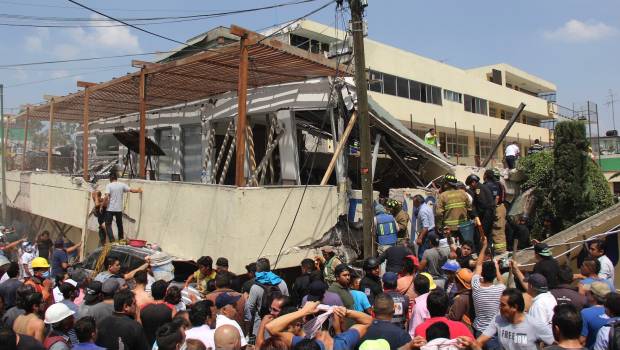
512, 120
3, 169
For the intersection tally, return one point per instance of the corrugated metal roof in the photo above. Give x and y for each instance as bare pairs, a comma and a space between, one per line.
192, 78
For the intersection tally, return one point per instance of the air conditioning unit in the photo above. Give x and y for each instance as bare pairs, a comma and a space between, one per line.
340, 48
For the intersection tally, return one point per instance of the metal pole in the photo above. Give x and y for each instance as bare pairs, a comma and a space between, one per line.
25, 138
411, 120
3, 155
49, 137
142, 109
242, 95
456, 143
598, 136
361, 84
501, 137
85, 136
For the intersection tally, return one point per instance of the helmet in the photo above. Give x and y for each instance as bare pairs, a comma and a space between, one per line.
450, 179
4, 260
40, 263
392, 203
370, 264
497, 173
57, 312
471, 178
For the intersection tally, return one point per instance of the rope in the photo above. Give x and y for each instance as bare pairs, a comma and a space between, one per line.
249, 135
101, 259
577, 245
220, 156
227, 162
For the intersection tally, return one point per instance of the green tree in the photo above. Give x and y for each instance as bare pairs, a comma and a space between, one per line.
571, 159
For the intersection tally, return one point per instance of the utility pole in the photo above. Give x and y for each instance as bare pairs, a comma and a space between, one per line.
611, 104
3, 155
361, 85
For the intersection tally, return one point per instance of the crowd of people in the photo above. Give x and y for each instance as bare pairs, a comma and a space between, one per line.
452, 293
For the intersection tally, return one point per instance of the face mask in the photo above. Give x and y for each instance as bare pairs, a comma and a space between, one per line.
46, 275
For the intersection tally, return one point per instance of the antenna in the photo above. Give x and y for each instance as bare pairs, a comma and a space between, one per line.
610, 103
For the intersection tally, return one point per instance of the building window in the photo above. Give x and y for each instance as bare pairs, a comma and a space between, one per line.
436, 95
457, 145
415, 90
483, 147
300, 42
376, 81
389, 84
492, 112
192, 152
475, 105
452, 96
402, 86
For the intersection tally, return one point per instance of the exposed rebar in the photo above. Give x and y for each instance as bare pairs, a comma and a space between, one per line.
227, 162
220, 155
252, 158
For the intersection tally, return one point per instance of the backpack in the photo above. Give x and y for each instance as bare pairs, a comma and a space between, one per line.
270, 291
614, 336
53, 339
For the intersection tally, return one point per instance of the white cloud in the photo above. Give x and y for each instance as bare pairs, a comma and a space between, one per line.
35, 41
118, 38
20, 75
578, 31
66, 51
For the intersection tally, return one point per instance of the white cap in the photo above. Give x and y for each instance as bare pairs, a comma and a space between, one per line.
57, 313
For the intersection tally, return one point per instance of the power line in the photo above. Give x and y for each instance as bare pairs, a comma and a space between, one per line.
125, 23
288, 23
129, 19
59, 78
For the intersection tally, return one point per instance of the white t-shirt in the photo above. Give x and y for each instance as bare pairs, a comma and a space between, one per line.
26, 259
223, 320
202, 333
512, 150
115, 191
542, 308
607, 268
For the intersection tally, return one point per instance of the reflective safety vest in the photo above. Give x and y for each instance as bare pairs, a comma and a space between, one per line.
386, 229
453, 207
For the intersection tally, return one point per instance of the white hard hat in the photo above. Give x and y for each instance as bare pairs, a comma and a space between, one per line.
4, 260
57, 313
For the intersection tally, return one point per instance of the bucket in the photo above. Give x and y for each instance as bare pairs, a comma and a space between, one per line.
467, 231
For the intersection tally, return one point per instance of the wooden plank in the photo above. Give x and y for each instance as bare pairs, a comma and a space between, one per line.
341, 144
25, 138
142, 101
85, 135
49, 137
242, 95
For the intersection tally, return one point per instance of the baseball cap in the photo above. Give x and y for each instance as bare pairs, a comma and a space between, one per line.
599, 289
413, 259
316, 290
390, 277
538, 282
464, 276
221, 262
432, 284
92, 291
226, 299
542, 249
59, 242
451, 265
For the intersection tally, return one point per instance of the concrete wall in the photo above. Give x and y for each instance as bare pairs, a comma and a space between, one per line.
190, 220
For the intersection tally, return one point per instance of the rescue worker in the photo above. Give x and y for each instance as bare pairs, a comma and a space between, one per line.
431, 138
483, 205
535, 148
39, 280
452, 206
499, 222
329, 261
371, 283
386, 228
401, 217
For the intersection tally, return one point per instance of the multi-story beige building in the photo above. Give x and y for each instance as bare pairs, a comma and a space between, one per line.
468, 107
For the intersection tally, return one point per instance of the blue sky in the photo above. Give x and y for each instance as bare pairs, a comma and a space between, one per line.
574, 44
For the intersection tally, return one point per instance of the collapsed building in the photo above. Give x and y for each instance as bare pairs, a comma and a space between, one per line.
300, 109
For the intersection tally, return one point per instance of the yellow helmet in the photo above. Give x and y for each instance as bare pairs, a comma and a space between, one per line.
40, 263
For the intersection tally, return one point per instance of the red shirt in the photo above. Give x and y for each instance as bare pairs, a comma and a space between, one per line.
457, 329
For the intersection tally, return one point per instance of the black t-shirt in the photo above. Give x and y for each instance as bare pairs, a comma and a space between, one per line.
8, 289
120, 328
464, 261
394, 335
371, 286
549, 268
27, 342
44, 248
247, 285
565, 294
153, 316
395, 256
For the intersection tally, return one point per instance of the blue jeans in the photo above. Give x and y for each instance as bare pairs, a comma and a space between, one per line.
426, 244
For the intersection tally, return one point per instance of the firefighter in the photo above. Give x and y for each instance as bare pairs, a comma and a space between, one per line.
484, 204
491, 180
452, 206
401, 217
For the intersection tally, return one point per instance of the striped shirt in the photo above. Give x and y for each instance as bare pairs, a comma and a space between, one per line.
486, 302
